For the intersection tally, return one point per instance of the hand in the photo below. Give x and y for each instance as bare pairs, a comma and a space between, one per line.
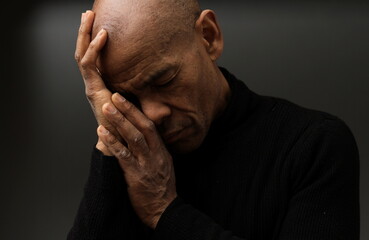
146, 163
86, 55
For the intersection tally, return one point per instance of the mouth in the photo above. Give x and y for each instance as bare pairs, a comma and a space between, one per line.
173, 136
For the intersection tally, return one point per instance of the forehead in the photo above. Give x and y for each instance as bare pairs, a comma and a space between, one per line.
123, 61
138, 53
137, 44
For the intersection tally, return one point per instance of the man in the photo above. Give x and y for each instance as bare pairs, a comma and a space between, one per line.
187, 151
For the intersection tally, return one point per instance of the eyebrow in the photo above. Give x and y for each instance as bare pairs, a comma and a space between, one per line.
147, 80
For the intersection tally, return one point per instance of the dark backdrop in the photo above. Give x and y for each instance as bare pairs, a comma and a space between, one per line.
314, 54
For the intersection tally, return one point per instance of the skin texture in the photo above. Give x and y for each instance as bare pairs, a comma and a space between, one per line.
136, 54
166, 111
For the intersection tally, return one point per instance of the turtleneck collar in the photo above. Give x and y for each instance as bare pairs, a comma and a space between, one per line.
237, 109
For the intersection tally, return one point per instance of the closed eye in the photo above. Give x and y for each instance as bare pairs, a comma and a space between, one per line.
165, 84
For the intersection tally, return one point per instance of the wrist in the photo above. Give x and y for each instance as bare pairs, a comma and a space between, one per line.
157, 216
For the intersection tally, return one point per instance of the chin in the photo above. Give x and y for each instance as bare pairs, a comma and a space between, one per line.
185, 146
181, 148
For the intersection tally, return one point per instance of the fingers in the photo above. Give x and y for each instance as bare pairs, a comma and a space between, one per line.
90, 74
132, 136
84, 35
88, 62
87, 53
123, 154
137, 118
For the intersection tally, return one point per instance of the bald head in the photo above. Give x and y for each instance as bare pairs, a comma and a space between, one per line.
138, 28
154, 20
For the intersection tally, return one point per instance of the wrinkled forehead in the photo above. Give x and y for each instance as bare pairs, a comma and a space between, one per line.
136, 52
124, 60
136, 38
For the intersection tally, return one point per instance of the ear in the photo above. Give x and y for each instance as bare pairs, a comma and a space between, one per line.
208, 29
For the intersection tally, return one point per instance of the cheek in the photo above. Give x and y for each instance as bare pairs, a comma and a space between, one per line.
187, 111
192, 92
196, 103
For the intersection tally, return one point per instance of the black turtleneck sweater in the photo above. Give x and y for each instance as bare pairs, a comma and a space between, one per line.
268, 169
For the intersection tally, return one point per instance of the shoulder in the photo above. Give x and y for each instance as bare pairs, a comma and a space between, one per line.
321, 144
290, 118
288, 128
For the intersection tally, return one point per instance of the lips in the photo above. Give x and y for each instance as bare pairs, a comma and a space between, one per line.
173, 136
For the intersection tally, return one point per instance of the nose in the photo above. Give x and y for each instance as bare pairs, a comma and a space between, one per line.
156, 111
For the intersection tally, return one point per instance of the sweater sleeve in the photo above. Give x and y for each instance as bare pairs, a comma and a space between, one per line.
105, 211
324, 198
324, 202
181, 221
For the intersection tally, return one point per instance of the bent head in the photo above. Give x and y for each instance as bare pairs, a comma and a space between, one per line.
163, 53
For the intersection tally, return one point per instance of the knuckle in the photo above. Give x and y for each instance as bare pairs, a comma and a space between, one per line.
130, 107
77, 57
120, 119
149, 126
113, 141
92, 45
91, 92
138, 139
124, 153
85, 64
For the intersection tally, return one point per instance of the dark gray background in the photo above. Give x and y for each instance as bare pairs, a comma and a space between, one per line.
314, 54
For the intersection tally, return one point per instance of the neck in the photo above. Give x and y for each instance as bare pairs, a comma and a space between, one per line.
225, 93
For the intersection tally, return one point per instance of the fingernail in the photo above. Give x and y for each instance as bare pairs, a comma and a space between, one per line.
103, 130
111, 109
120, 98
